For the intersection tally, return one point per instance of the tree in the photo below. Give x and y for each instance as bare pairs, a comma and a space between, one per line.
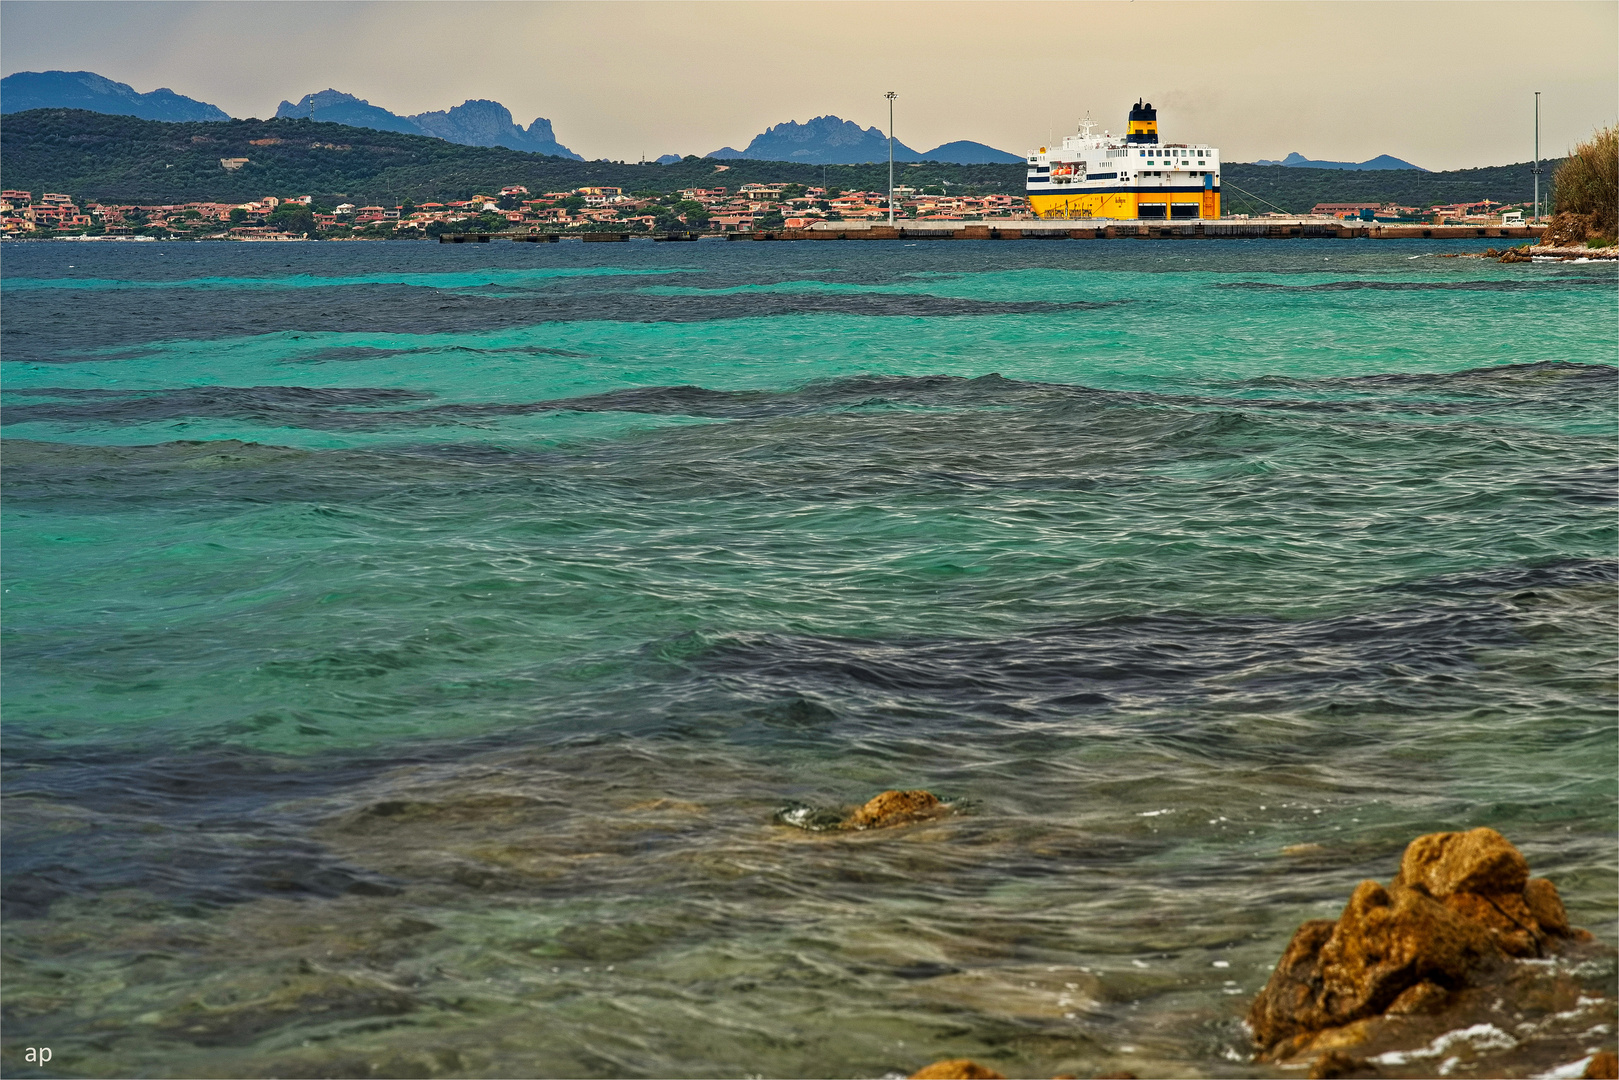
292, 218
237, 216
574, 202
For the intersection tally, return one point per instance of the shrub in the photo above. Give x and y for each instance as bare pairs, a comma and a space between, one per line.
1587, 183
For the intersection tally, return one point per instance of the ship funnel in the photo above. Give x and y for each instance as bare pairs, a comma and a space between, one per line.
1143, 123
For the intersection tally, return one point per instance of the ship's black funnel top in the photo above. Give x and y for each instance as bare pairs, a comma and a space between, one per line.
1143, 123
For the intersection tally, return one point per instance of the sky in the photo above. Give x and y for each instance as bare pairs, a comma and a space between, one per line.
1445, 85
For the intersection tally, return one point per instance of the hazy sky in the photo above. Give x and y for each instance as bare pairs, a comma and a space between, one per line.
1445, 85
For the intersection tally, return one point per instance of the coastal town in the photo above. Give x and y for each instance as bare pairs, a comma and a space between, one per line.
514, 209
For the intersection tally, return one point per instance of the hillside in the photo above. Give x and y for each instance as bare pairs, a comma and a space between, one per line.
1296, 189
95, 156
121, 159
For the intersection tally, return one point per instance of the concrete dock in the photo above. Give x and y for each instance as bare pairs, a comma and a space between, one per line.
1038, 229
1221, 228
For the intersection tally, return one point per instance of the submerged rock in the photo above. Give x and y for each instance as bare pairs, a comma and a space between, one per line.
896, 808
889, 808
1458, 918
954, 1068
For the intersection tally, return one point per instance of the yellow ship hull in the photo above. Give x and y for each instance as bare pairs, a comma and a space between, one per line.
1123, 205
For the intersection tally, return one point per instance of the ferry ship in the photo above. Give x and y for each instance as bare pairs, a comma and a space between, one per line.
1125, 177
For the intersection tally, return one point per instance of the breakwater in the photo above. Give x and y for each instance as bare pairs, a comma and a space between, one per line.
1284, 229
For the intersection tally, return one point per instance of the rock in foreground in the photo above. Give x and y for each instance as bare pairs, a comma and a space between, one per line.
1444, 940
955, 1068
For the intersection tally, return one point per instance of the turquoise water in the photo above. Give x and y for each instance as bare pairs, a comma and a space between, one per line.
407, 649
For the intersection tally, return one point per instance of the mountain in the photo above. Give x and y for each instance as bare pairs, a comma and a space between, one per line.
825, 140
831, 140
1380, 162
86, 90
477, 122
336, 107
481, 122
963, 152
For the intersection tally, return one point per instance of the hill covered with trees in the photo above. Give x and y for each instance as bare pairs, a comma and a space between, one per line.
122, 159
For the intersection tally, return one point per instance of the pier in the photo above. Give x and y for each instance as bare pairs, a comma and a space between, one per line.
1047, 229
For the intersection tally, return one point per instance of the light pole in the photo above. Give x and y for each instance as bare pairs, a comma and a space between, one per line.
891, 96
1537, 155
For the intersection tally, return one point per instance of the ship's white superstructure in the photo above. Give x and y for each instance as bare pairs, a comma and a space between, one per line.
1125, 176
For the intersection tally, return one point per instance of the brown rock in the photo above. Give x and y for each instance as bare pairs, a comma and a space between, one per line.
1337, 1065
1384, 943
1425, 997
953, 1068
1546, 906
1461, 905
1480, 861
895, 808
1603, 1066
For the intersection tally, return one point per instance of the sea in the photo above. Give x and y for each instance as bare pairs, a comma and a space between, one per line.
439, 660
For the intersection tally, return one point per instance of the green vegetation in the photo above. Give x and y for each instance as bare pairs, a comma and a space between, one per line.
1587, 184
1258, 188
121, 159
294, 218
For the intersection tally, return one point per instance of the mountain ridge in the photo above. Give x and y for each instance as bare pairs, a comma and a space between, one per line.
25, 90
475, 122
832, 140
1380, 163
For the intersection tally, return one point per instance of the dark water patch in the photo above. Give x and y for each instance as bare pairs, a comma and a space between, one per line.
1508, 580
1153, 667
373, 409
1597, 485
1509, 379
939, 391
1489, 285
205, 821
278, 406
924, 391
50, 326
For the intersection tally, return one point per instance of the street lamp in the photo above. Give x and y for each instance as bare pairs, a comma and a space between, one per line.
891, 96
1537, 155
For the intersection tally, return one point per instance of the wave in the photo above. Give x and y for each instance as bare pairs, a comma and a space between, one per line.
35, 332
1508, 285
1557, 385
